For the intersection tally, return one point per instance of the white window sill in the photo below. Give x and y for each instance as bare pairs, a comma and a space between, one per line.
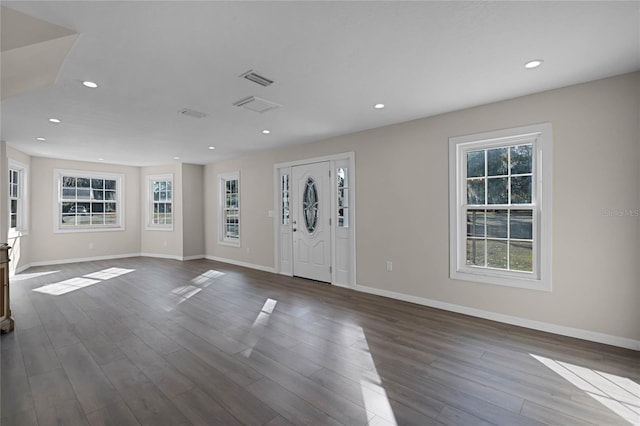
229, 243
158, 228
95, 229
507, 280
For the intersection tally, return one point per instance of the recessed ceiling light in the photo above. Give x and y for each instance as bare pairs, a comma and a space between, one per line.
533, 64
266, 132
378, 106
41, 139
212, 147
54, 120
100, 159
90, 84
176, 158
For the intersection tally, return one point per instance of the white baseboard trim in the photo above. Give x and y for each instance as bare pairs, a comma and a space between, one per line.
161, 256
109, 257
578, 333
244, 264
83, 259
20, 269
172, 256
344, 286
194, 257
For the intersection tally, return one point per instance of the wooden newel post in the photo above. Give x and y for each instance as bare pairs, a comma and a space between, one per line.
6, 321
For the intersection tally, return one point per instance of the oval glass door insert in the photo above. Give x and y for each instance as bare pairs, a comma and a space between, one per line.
310, 205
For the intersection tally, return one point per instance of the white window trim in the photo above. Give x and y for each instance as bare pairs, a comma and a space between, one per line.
57, 200
22, 228
222, 239
542, 134
149, 225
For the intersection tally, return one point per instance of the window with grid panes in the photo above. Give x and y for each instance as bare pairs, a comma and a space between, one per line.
14, 198
230, 208
88, 200
160, 196
500, 231
18, 198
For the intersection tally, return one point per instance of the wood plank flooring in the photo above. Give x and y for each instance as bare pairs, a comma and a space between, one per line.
146, 341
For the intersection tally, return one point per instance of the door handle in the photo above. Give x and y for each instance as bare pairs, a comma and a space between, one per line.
294, 229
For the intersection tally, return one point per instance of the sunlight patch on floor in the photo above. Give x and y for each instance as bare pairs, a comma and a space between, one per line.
207, 278
109, 273
263, 316
262, 319
19, 277
72, 284
67, 286
374, 396
619, 394
185, 292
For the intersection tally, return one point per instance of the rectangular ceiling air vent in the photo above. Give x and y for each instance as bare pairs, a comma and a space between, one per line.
257, 78
192, 113
253, 103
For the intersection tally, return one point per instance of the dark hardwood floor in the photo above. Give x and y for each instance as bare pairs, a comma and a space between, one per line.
157, 342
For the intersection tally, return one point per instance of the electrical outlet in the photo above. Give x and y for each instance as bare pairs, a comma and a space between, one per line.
389, 266
90, 246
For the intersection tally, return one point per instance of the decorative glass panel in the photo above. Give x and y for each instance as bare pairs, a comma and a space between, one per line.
284, 183
343, 197
310, 205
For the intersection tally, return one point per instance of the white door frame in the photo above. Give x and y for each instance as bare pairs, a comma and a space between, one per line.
345, 275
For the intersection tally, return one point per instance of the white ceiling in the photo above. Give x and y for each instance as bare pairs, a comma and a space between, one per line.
331, 62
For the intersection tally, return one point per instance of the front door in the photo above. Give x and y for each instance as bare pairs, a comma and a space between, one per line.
311, 216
